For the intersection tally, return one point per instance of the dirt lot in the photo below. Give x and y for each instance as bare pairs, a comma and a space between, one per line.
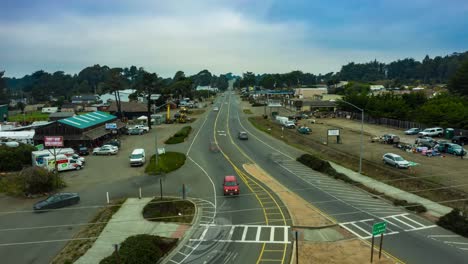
439, 179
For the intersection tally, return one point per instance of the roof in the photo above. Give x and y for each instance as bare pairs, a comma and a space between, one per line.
62, 114
84, 97
229, 178
87, 120
129, 107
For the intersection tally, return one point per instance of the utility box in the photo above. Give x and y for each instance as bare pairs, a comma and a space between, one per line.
449, 133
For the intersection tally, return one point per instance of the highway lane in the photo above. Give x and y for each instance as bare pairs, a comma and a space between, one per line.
414, 239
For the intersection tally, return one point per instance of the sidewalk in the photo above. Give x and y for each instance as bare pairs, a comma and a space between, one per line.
433, 208
128, 221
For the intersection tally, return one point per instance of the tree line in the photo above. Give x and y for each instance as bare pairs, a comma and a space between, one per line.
40, 86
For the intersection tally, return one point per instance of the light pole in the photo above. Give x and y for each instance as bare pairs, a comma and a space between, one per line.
362, 129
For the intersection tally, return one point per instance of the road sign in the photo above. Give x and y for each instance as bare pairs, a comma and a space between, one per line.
379, 228
53, 141
111, 126
333, 132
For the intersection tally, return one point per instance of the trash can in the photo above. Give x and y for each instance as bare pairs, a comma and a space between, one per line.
449, 132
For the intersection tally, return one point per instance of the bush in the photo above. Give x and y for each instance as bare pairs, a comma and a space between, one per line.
31, 181
180, 136
167, 162
415, 207
168, 210
323, 166
455, 222
139, 249
14, 159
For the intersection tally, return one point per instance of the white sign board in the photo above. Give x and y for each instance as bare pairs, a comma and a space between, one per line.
333, 132
53, 141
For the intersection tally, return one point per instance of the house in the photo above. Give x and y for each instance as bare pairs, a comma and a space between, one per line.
377, 87
49, 110
33, 108
84, 99
87, 129
60, 115
68, 108
130, 110
207, 88
310, 93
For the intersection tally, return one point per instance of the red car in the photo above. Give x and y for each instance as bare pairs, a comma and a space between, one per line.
230, 186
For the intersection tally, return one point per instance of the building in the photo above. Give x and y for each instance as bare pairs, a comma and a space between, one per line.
377, 87
206, 88
60, 115
84, 99
310, 93
33, 108
130, 110
68, 108
25, 137
87, 129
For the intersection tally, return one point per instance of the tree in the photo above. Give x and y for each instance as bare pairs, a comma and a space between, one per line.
114, 83
179, 76
248, 79
4, 98
147, 85
459, 82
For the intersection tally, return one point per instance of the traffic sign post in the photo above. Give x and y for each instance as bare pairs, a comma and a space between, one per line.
378, 229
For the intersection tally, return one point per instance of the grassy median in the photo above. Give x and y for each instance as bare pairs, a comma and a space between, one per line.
180, 136
167, 162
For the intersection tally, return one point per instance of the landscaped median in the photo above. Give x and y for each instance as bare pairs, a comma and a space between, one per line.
180, 136
167, 162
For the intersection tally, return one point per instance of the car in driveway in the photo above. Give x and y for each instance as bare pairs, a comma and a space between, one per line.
395, 160
57, 200
243, 135
451, 148
412, 131
105, 150
135, 131
230, 185
460, 140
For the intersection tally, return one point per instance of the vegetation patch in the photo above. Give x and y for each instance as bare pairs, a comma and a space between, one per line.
141, 249
169, 210
14, 159
455, 221
167, 162
415, 207
197, 111
180, 136
74, 249
323, 166
247, 111
258, 104
30, 182
29, 117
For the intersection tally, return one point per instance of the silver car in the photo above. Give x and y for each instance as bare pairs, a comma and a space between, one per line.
395, 160
105, 150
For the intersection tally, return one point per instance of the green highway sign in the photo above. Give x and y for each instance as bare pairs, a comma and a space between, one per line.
379, 228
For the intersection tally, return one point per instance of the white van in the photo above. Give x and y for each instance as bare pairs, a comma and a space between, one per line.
63, 163
138, 157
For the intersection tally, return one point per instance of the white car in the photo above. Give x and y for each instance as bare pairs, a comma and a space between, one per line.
143, 127
432, 132
78, 157
395, 160
106, 150
216, 109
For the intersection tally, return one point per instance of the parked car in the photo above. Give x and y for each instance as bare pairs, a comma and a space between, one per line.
135, 131
304, 130
289, 124
114, 142
460, 140
243, 135
57, 200
105, 150
143, 127
78, 157
426, 142
413, 131
83, 151
432, 132
230, 186
451, 148
395, 160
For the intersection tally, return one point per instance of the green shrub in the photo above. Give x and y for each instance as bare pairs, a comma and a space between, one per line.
167, 162
415, 207
30, 181
180, 136
139, 249
323, 166
455, 222
169, 210
14, 159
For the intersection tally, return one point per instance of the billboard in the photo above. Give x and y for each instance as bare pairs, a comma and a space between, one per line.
111, 126
53, 141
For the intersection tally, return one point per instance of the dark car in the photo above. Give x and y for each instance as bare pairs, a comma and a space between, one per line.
83, 151
243, 135
57, 200
113, 142
460, 140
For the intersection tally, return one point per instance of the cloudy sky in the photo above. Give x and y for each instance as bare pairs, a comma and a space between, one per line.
224, 36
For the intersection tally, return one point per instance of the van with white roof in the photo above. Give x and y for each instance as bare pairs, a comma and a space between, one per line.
138, 157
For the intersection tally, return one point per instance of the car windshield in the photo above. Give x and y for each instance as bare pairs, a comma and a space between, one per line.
230, 183
52, 199
136, 156
398, 158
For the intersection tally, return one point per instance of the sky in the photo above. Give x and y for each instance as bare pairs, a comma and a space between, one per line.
262, 36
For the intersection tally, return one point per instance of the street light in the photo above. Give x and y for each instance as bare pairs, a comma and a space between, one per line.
362, 128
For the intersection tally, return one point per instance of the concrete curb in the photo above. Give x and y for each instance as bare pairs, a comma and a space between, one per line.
186, 236
316, 227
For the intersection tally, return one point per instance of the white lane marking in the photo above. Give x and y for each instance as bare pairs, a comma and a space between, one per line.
409, 219
443, 236
362, 229
272, 234
285, 234
244, 234
456, 243
231, 232
257, 237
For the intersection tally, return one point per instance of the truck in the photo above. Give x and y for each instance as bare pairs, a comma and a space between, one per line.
281, 119
63, 163
37, 157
